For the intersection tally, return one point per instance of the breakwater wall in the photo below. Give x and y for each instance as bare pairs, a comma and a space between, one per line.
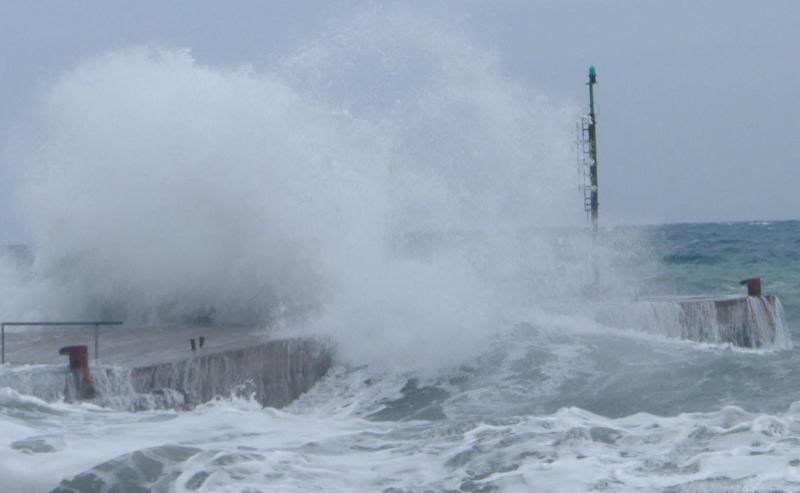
744, 321
272, 371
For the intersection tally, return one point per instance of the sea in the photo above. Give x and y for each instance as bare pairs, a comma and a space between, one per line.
552, 404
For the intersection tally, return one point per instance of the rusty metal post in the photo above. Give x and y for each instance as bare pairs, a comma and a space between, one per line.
753, 286
78, 356
79, 366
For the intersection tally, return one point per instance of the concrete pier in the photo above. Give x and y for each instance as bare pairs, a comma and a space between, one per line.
273, 372
745, 321
157, 367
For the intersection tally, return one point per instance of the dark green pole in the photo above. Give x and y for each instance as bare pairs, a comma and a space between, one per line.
593, 147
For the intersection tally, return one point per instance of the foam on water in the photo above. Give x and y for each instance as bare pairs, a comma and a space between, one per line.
233, 445
514, 418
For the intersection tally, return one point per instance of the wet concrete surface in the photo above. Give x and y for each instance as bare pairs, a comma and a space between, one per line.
127, 345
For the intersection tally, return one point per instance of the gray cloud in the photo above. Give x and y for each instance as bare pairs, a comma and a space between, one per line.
697, 100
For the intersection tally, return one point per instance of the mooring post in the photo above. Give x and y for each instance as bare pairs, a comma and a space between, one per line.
79, 366
753, 286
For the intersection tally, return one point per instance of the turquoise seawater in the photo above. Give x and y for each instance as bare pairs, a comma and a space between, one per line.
697, 259
713, 257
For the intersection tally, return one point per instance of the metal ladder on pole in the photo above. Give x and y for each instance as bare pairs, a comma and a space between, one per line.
585, 162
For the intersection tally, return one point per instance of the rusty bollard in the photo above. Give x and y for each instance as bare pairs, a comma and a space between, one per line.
753, 286
79, 366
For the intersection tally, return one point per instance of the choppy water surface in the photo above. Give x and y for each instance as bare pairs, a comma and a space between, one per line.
556, 404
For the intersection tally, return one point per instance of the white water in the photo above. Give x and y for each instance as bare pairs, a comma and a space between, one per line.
234, 445
497, 421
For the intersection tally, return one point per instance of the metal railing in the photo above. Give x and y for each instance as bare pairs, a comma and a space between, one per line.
95, 324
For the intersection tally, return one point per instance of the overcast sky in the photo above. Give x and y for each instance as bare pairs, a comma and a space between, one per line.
698, 101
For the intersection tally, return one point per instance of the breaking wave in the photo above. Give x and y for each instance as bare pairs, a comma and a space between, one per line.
384, 183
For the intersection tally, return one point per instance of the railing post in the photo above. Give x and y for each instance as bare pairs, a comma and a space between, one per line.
96, 340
